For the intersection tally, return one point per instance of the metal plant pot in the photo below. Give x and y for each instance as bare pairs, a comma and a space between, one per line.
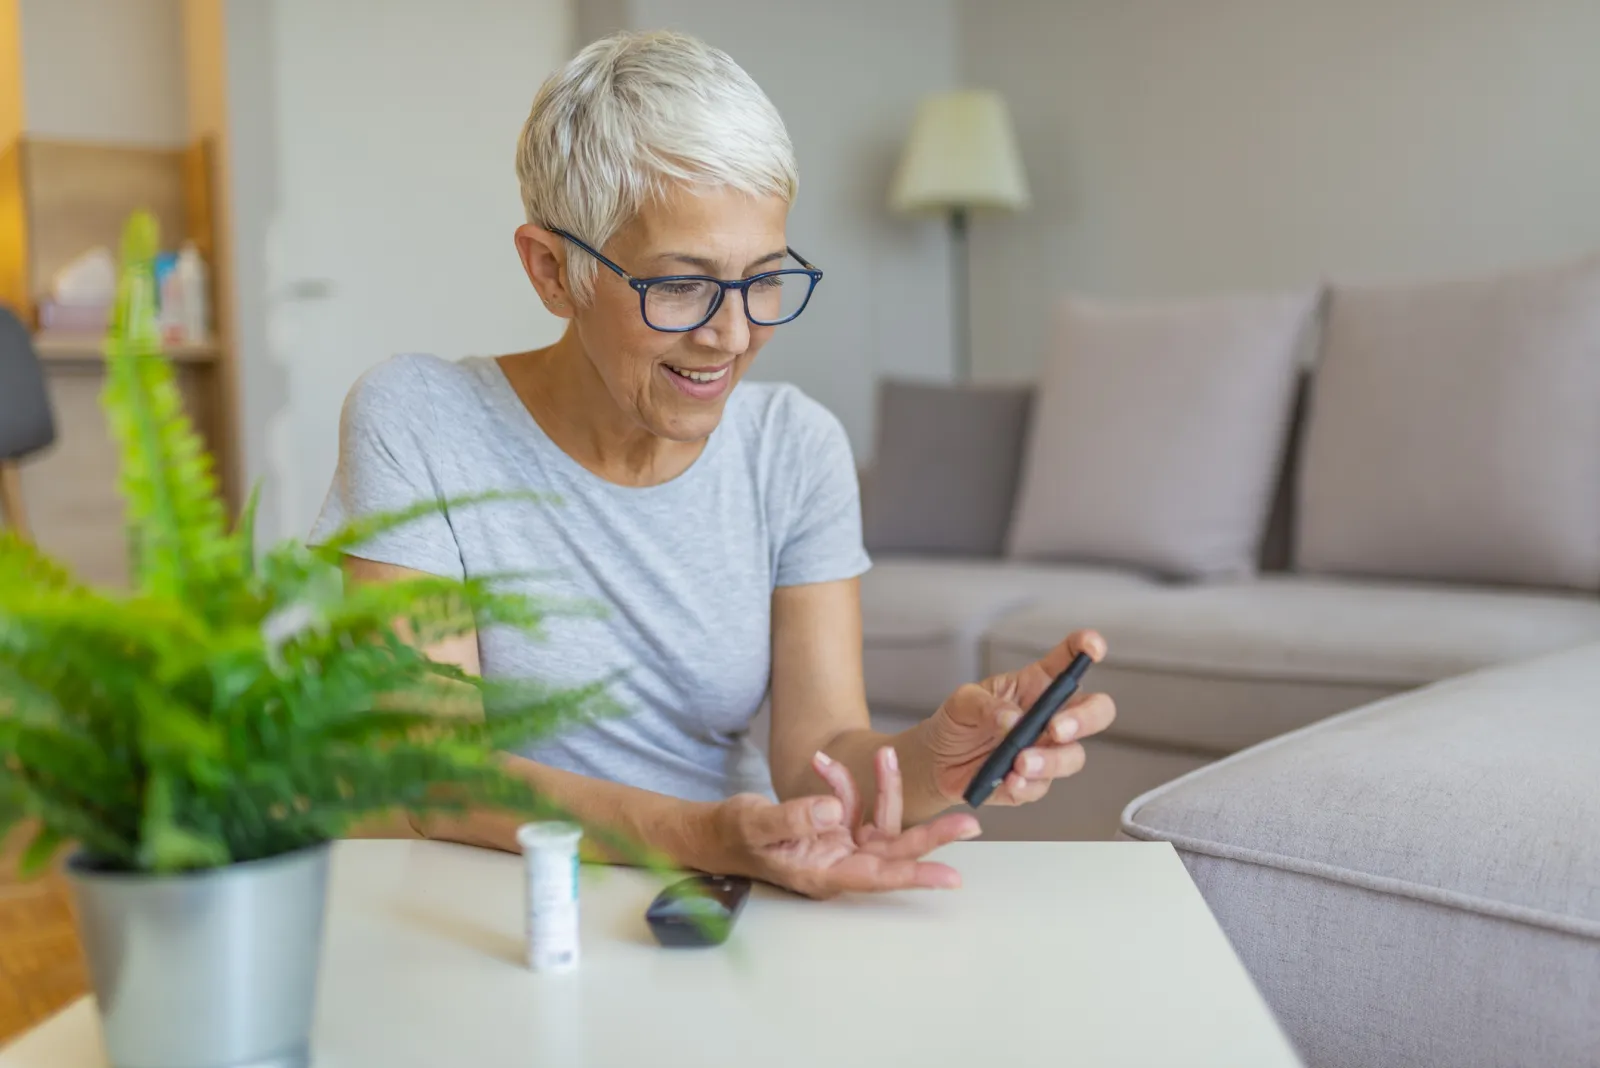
209, 969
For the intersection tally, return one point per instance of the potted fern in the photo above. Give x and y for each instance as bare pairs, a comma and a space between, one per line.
202, 737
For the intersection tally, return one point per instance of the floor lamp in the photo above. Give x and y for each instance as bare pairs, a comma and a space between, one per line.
961, 157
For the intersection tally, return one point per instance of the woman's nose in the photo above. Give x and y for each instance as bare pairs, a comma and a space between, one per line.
729, 329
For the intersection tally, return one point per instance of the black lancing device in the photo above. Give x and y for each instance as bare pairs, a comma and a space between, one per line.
1026, 731
697, 911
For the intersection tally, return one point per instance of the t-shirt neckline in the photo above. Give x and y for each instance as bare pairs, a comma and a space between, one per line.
506, 395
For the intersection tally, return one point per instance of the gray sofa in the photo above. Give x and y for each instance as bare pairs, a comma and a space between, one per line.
1198, 672
1416, 882
1361, 696
1413, 496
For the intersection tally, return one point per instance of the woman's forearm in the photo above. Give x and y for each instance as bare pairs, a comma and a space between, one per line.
681, 832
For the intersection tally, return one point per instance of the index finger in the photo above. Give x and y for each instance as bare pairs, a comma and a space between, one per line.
837, 776
891, 802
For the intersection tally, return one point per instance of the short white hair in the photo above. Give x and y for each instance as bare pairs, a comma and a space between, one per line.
631, 116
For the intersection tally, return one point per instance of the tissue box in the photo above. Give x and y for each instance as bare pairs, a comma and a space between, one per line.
74, 318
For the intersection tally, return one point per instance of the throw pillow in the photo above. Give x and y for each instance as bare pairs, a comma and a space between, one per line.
1454, 432
1158, 433
944, 471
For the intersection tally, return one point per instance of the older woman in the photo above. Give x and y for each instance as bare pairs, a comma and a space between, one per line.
717, 519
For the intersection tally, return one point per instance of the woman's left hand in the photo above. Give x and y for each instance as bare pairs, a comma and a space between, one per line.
973, 720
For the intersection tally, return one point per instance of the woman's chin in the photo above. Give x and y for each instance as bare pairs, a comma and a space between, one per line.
685, 423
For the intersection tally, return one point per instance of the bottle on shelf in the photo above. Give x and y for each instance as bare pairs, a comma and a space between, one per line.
184, 297
191, 271
169, 299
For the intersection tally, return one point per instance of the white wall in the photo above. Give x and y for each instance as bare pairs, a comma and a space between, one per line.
846, 75
1182, 147
372, 146
104, 70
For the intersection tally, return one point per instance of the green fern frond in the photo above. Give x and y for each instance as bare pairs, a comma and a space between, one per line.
64, 754
26, 570
348, 538
152, 624
523, 712
46, 843
239, 705
244, 532
172, 732
175, 516
439, 608
91, 655
165, 846
74, 821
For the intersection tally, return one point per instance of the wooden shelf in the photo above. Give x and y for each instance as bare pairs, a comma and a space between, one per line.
55, 346
57, 199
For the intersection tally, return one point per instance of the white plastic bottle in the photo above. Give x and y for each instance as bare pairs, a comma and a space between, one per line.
190, 278
550, 858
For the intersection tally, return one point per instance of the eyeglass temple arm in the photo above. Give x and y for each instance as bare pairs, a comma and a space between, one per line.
807, 264
596, 253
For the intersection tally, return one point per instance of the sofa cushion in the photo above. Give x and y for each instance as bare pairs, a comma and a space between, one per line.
1454, 432
1216, 667
1416, 882
1158, 431
937, 444
923, 618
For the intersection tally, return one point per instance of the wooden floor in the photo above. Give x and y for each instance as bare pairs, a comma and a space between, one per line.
41, 967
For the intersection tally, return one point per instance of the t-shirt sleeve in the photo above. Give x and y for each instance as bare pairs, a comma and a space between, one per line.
383, 467
822, 541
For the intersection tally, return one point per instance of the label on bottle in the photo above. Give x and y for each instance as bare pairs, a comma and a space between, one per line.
552, 905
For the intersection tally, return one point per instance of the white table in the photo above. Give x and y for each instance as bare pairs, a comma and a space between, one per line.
1080, 953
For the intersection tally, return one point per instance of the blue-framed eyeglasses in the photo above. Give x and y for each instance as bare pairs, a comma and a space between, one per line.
678, 303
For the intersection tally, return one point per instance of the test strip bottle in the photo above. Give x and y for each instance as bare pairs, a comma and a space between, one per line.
550, 858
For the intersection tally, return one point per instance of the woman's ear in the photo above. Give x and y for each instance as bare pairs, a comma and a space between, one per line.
543, 256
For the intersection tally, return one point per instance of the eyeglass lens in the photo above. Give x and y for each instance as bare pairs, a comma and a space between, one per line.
687, 302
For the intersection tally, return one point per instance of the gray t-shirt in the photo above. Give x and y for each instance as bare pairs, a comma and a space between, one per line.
685, 569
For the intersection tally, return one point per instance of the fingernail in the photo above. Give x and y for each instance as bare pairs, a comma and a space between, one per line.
891, 759
1008, 719
826, 812
823, 758
971, 832
1032, 764
1066, 729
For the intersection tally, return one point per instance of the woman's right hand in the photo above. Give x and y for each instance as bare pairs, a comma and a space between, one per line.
820, 847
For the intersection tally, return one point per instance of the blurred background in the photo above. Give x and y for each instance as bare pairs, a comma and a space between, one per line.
335, 183
346, 168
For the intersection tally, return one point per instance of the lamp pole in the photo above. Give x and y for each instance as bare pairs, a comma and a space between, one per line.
961, 156
961, 283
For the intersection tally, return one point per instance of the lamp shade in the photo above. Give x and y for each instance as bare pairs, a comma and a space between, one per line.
962, 153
